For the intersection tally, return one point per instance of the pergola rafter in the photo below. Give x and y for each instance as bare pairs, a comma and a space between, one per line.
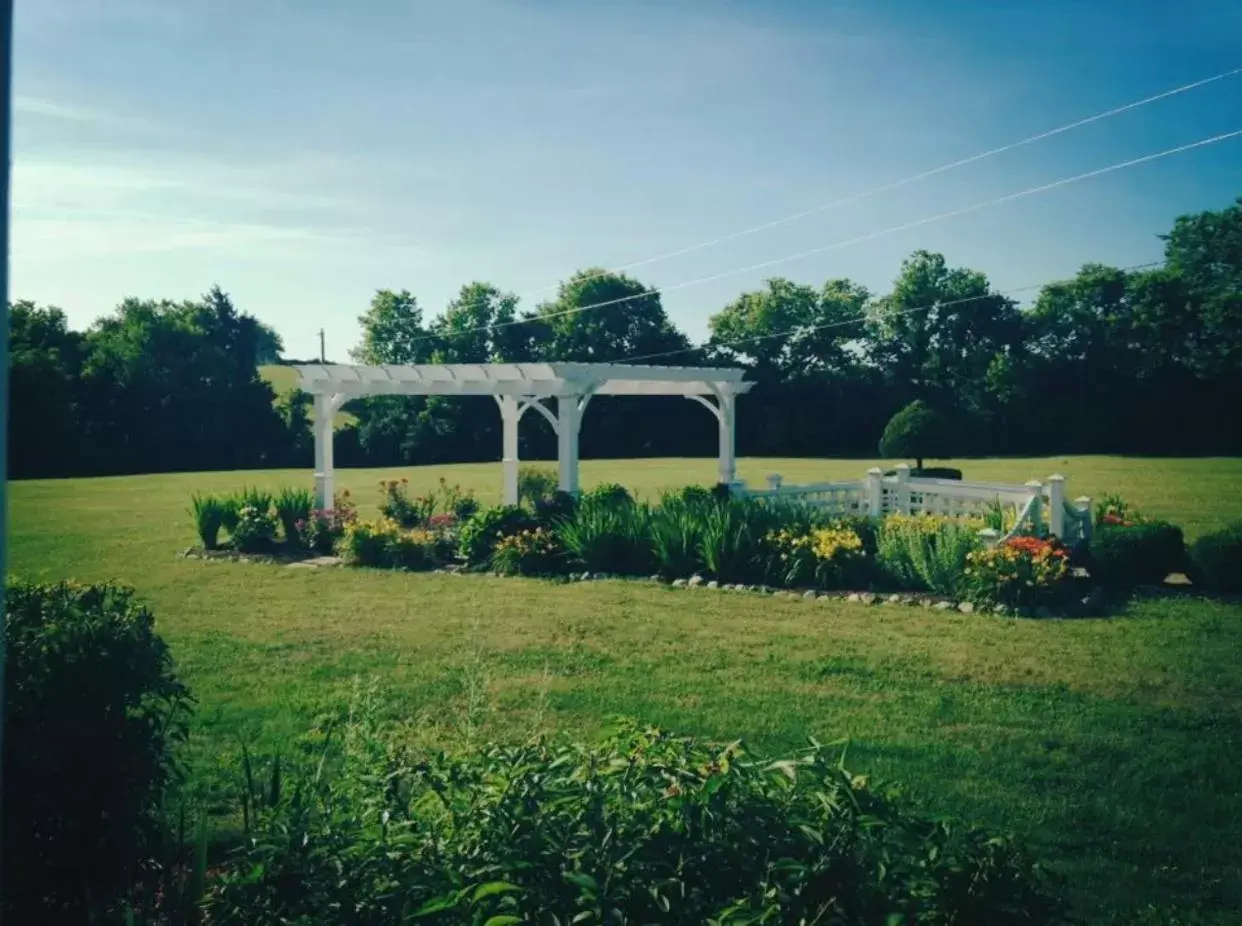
517, 388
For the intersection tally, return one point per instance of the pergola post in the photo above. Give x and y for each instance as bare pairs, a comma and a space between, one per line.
568, 417
325, 481
510, 415
726, 419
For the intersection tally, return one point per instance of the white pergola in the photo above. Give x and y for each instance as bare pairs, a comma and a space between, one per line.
517, 388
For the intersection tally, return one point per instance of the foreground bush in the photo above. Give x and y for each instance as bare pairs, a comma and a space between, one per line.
642, 828
609, 532
1132, 553
92, 713
1218, 560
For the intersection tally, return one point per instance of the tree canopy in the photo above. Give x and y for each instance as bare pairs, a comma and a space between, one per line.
1109, 360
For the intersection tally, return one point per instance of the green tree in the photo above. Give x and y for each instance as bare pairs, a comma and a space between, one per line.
45, 361
917, 431
478, 327
938, 331
602, 317
393, 331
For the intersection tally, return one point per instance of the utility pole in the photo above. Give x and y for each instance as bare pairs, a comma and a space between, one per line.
323, 352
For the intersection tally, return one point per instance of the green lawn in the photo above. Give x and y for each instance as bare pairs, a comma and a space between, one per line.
1113, 746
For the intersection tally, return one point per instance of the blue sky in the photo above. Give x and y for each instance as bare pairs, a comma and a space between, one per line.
303, 153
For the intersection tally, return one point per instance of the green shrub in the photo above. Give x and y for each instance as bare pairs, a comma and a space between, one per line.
93, 712
396, 504
1136, 553
293, 507
478, 536
255, 530
925, 552
608, 492
258, 499
385, 544
230, 511
1022, 572
643, 827
555, 508
608, 534
915, 432
536, 483
209, 516
533, 551
1218, 560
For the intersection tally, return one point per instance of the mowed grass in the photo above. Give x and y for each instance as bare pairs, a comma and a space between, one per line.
1112, 746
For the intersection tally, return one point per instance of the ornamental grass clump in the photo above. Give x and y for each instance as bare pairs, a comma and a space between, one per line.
293, 506
1019, 573
209, 516
608, 533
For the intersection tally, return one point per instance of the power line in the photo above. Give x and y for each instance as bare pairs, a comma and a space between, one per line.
1009, 197
842, 323
888, 187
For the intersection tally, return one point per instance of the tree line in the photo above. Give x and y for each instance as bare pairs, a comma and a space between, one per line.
1109, 361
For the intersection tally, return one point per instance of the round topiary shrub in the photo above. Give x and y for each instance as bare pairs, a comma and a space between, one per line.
1217, 560
915, 432
1140, 553
93, 712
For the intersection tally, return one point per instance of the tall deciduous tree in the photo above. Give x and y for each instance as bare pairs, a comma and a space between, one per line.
393, 330
938, 331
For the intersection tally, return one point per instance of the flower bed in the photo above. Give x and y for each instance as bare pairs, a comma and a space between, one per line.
697, 537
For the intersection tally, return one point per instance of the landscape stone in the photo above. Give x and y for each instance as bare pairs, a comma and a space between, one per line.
966, 607
868, 598
713, 584
926, 602
853, 596
893, 599
810, 596
302, 564
943, 606
679, 583
695, 581
324, 561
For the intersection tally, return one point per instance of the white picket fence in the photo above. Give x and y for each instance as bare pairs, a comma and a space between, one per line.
1041, 507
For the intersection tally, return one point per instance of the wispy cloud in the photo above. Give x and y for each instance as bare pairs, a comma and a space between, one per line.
43, 108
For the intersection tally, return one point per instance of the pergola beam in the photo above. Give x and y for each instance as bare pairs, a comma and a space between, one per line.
518, 387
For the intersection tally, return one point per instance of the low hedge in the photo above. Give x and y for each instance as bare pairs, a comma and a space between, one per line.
1144, 553
1217, 560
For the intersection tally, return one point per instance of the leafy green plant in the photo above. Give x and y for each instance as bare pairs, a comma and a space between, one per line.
732, 537
608, 533
1126, 554
1217, 558
925, 552
478, 536
643, 827
1021, 572
94, 713
536, 483
677, 533
230, 511
396, 504
258, 499
385, 544
533, 551
255, 530
293, 506
555, 509
209, 516
826, 557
